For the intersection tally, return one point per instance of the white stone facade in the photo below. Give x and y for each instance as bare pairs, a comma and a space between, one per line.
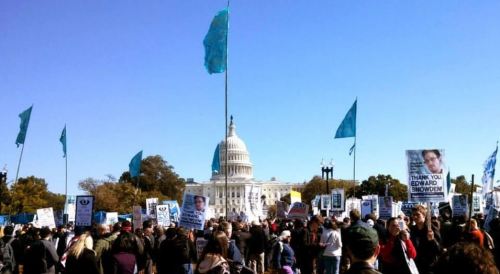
244, 192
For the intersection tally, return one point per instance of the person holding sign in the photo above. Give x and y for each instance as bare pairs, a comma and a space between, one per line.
426, 239
432, 160
397, 249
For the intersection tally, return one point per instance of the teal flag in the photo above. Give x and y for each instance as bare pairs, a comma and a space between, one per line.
135, 165
215, 43
348, 126
63, 140
216, 161
23, 128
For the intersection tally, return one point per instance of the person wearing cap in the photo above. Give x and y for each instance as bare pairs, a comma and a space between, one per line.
283, 254
363, 248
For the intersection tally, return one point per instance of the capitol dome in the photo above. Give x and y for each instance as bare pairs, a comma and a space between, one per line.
238, 164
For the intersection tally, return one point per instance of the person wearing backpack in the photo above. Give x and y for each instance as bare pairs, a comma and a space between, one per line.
7, 260
41, 256
283, 254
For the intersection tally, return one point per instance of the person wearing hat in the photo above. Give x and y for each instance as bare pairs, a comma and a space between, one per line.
363, 248
283, 254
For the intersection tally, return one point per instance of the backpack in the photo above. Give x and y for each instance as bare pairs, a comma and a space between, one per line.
7, 252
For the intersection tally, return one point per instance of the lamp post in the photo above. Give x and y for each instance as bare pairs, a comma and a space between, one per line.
328, 170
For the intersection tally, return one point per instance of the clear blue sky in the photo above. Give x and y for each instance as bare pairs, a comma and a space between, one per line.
129, 75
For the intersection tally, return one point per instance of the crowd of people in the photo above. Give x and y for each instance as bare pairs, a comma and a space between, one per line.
356, 244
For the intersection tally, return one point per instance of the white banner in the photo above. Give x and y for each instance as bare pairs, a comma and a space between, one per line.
374, 204
426, 175
253, 205
298, 211
84, 210
46, 217
477, 203
326, 202
163, 215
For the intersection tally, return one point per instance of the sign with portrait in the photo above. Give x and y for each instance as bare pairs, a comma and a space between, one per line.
151, 204
326, 202
163, 215
193, 211
385, 207
137, 216
46, 217
338, 199
84, 210
460, 205
426, 175
175, 210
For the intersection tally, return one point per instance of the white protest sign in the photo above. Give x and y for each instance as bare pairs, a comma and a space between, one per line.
111, 218
374, 204
175, 210
477, 203
366, 207
84, 210
46, 217
163, 215
281, 209
385, 207
193, 211
151, 204
338, 199
426, 175
326, 202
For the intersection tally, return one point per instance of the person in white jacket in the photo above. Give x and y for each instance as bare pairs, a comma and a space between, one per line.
332, 243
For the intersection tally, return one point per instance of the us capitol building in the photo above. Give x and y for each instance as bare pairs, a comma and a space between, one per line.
246, 196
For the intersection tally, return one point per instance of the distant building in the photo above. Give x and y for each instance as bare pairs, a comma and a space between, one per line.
245, 194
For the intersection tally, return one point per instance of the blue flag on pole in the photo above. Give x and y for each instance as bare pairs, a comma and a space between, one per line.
135, 165
23, 128
63, 140
216, 161
489, 172
215, 43
348, 126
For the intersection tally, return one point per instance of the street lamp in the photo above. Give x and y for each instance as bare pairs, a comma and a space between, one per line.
328, 170
3, 174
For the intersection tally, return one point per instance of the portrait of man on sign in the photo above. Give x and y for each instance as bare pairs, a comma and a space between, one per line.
199, 203
432, 160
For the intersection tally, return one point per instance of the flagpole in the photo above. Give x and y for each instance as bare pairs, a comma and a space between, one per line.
225, 112
19, 164
354, 167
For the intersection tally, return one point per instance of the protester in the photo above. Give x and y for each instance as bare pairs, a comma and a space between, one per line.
284, 256
149, 243
8, 258
41, 255
398, 249
126, 249
81, 258
213, 259
363, 248
256, 247
176, 253
474, 234
426, 239
103, 247
466, 258
331, 242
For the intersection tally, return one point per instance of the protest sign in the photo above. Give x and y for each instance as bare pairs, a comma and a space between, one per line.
174, 209
298, 211
193, 211
407, 207
200, 245
151, 204
84, 210
460, 205
492, 214
111, 218
477, 203
163, 215
70, 207
281, 209
366, 207
326, 202
137, 216
374, 204
295, 197
353, 203
46, 217
426, 175
253, 206
385, 207
59, 217
338, 199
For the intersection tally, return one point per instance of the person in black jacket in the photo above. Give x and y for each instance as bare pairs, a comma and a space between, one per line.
427, 240
41, 255
81, 258
256, 247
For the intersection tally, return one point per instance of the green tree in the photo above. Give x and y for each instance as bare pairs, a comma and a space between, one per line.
5, 197
157, 176
377, 185
31, 193
462, 186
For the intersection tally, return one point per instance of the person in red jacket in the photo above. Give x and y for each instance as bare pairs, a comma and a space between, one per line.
398, 248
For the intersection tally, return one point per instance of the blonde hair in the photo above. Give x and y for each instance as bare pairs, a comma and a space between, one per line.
85, 241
